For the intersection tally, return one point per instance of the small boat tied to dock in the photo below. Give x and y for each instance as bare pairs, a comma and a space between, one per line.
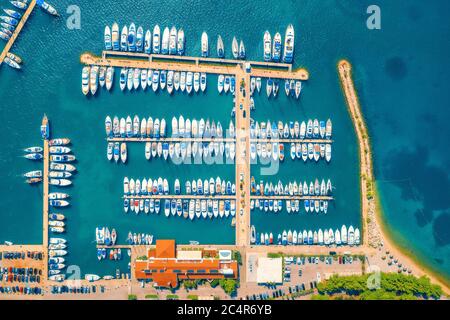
12, 24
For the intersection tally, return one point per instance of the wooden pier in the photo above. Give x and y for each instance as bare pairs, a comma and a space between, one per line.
197, 60
242, 170
282, 197
170, 139
252, 140
122, 59
16, 32
180, 196
45, 205
226, 197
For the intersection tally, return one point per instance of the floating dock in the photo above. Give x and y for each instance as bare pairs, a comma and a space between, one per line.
16, 32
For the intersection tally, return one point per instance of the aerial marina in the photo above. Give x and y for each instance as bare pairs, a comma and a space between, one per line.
184, 163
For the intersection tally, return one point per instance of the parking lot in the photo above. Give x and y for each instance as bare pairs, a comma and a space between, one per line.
300, 275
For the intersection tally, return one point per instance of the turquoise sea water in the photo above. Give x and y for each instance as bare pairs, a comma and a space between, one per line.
401, 72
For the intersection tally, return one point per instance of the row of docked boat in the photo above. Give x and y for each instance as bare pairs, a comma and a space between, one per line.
139, 238
9, 23
311, 129
274, 151
136, 78
226, 84
310, 151
105, 237
172, 81
273, 50
160, 186
33, 153
210, 152
57, 249
12, 60
56, 222
60, 174
292, 205
134, 39
117, 151
181, 128
327, 237
114, 254
268, 151
237, 49
95, 76
292, 88
188, 208
315, 188
61, 171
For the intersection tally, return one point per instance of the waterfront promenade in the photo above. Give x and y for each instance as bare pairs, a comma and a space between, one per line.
16, 32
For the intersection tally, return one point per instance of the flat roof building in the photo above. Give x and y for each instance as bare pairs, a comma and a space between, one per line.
165, 266
269, 270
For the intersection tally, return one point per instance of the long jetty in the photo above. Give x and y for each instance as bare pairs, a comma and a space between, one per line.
227, 197
16, 32
253, 140
243, 162
193, 64
45, 208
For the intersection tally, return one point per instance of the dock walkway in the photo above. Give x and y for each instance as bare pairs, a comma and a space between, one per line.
252, 140
194, 64
16, 32
45, 208
226, 197
242, 125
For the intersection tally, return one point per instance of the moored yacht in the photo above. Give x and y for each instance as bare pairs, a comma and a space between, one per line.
148, 42
205, 45
156, 44
173, 41
220, 48
235, 48
241, 50
276, 49
180, 42
267, 46
107, 38
165, 41
288, 54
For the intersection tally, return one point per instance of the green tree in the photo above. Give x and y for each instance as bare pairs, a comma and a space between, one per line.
228, 285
